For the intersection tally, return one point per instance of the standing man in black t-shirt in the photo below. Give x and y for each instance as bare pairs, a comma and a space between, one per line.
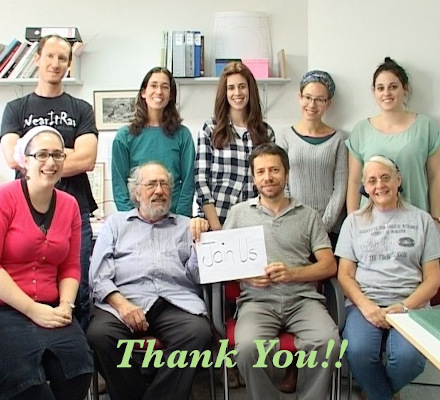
74, 119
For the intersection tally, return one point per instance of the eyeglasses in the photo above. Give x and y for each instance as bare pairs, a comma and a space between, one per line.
156, 86
151, 185
319, 101
374, 181
43, 155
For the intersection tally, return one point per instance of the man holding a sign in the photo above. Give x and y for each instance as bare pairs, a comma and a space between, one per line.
285, 296
144, 279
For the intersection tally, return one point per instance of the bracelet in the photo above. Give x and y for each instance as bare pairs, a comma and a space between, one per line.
405, 308
71, 305
436, 219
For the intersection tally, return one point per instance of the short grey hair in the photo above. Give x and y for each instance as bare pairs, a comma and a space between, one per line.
134, 180
367, 210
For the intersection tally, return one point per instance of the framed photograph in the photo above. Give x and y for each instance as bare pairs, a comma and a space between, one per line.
114, 108
96, 179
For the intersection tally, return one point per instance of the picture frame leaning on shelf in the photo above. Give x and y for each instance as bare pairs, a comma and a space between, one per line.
113, 108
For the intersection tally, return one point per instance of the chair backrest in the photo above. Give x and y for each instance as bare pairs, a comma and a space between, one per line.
232, 291
436, 299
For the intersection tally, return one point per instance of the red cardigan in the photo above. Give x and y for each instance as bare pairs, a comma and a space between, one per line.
34, 261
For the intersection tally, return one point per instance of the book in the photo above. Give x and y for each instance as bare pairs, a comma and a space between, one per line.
189, 54
71, 34
197, 54
74, 68
29, 70
9, 61
77, 49
179, 54
15, 60
8, 50
202, 56
30, 62
282, 64
31, 50
429, 319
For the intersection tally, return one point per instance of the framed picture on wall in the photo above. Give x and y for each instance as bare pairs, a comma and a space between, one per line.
113, 108
96, 179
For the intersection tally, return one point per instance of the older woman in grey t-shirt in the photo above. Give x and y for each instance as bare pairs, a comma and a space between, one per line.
389, 253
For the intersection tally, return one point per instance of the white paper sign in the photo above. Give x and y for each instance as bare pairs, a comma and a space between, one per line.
231, 254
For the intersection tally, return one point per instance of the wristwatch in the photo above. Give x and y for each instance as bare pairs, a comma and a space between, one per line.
71, 305
405, 308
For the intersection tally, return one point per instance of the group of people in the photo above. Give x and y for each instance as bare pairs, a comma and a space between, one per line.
143, 275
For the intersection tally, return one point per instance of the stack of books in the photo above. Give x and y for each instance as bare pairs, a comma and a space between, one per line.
17, 58
183, 53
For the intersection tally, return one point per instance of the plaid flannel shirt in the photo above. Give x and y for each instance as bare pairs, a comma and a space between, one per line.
223, 176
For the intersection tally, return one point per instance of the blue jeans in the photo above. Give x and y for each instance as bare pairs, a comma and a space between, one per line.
380, 379
86, 249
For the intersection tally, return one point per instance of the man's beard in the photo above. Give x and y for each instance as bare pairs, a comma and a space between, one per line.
155, 211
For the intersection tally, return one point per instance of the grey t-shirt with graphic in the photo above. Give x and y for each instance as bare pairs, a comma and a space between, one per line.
389, 250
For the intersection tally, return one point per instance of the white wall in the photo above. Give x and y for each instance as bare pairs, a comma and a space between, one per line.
350, 38
124, 40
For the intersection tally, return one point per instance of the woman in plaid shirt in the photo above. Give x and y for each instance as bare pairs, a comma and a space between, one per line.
222, 173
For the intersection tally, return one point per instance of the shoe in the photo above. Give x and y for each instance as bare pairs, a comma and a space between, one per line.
102, 388
233, 381
288, 384
241, 379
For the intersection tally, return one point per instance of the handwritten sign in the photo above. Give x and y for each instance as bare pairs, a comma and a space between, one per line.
231, 254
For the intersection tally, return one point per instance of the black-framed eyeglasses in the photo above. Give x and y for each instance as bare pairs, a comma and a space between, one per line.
43, 155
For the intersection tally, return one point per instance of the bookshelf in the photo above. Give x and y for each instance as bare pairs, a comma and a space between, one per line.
263, 83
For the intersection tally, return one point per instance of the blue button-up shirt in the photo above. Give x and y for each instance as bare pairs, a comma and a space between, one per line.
144, 261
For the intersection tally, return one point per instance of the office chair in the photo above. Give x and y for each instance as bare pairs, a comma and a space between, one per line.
225, 293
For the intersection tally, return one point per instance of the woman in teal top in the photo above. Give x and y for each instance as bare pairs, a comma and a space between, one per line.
155, 134
411, 140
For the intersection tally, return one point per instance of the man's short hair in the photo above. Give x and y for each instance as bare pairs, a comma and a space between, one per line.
270, 149
134, 179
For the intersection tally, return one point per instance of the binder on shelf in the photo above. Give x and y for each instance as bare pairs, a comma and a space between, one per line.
169, 58
282, 64
179, 54
189, 54
71, 34
202, 56
197, 54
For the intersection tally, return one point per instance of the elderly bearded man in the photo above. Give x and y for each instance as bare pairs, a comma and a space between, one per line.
144, 277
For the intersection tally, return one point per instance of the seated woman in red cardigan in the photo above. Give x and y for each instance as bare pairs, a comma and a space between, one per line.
40, 227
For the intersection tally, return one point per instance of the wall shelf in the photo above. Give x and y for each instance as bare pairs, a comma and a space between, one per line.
263, 83
214, 81
34, 81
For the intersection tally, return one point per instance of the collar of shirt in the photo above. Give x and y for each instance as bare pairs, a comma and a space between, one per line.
294, 203
134, 213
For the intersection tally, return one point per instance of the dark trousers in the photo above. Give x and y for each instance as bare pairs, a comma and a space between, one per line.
82, 310
175, 328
